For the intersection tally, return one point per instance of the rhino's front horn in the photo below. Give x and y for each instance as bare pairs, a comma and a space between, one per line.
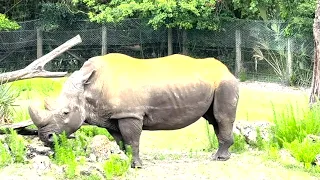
39, 117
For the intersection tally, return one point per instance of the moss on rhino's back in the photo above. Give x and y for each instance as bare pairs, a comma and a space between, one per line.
174, 68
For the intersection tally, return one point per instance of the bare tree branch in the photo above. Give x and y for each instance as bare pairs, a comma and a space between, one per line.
36, 68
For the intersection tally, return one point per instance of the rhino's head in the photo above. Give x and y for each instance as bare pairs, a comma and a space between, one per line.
67, 113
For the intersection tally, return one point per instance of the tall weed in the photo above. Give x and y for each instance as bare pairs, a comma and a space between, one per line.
213, 141
7, 98
116, 166
5, 156
305, 151
239, 144
290, 125
17, 146
63, 154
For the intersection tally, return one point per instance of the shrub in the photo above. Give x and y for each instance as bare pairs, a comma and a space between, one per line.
5, 156
63, 154
239, 144
17, 146
115, 166
91, 131
289, 126
260, 143
304, 152
7, 98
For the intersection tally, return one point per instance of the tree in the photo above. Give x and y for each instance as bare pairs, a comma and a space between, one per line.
183, 14
6, 24
315, 91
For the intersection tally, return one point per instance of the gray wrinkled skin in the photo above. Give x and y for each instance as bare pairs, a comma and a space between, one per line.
102, 93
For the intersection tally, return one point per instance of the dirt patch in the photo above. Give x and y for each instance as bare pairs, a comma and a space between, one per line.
197, 165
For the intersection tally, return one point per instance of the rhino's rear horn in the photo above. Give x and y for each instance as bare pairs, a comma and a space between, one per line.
39, 117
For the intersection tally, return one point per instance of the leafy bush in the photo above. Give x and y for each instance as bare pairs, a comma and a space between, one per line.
63, 154
239, 145
17, 146
304, 151
115, 166
260, 143
7, 98
91, 131
13, 149
289, 126
5, 156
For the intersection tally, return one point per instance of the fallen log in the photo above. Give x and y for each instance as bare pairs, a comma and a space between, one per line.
36, 68
20, 127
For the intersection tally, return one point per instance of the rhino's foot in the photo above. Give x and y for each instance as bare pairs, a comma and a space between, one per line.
221, 156
137, 163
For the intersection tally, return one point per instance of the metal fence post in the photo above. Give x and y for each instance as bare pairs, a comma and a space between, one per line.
104, 39
170, 51
289, 60
238, 53
39, 43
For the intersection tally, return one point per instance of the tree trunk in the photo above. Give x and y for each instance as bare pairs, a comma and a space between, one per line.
315, 91
36, 68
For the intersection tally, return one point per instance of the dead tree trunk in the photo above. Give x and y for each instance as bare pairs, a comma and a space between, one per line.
36, 68
315, 91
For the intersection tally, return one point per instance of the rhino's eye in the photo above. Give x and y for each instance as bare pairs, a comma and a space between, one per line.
65, 111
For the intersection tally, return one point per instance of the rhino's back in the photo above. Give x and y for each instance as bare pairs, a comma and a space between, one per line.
171, 69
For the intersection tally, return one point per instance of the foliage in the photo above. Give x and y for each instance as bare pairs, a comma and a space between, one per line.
257, 9
6, 24
91, 131
272, 52
304, 151
5, 156
7, 97
12, 149
184, 14
290, 126
239, 144
260, 143
298, 14
17, 146
116, 166
64, 154
58, 15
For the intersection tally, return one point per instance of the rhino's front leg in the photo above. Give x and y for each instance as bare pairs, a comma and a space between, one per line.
131, 131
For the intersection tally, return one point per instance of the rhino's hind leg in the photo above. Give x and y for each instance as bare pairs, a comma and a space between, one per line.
131, 131
224, 111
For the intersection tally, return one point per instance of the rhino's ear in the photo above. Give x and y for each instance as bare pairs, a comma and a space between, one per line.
88, 70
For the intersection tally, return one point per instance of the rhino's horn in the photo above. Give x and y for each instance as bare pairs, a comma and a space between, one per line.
39, 117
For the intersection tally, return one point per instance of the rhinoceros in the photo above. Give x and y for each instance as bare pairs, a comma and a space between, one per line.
126, 95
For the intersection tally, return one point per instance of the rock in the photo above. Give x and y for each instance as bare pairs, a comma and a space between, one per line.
287, 158
317, 160
41, 164
249, 130
313, 138
92, 168
34, 150
100, 149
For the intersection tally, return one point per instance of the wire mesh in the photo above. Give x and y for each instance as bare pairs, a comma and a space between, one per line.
261, 43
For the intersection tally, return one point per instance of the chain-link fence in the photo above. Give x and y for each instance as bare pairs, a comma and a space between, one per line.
261, 48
